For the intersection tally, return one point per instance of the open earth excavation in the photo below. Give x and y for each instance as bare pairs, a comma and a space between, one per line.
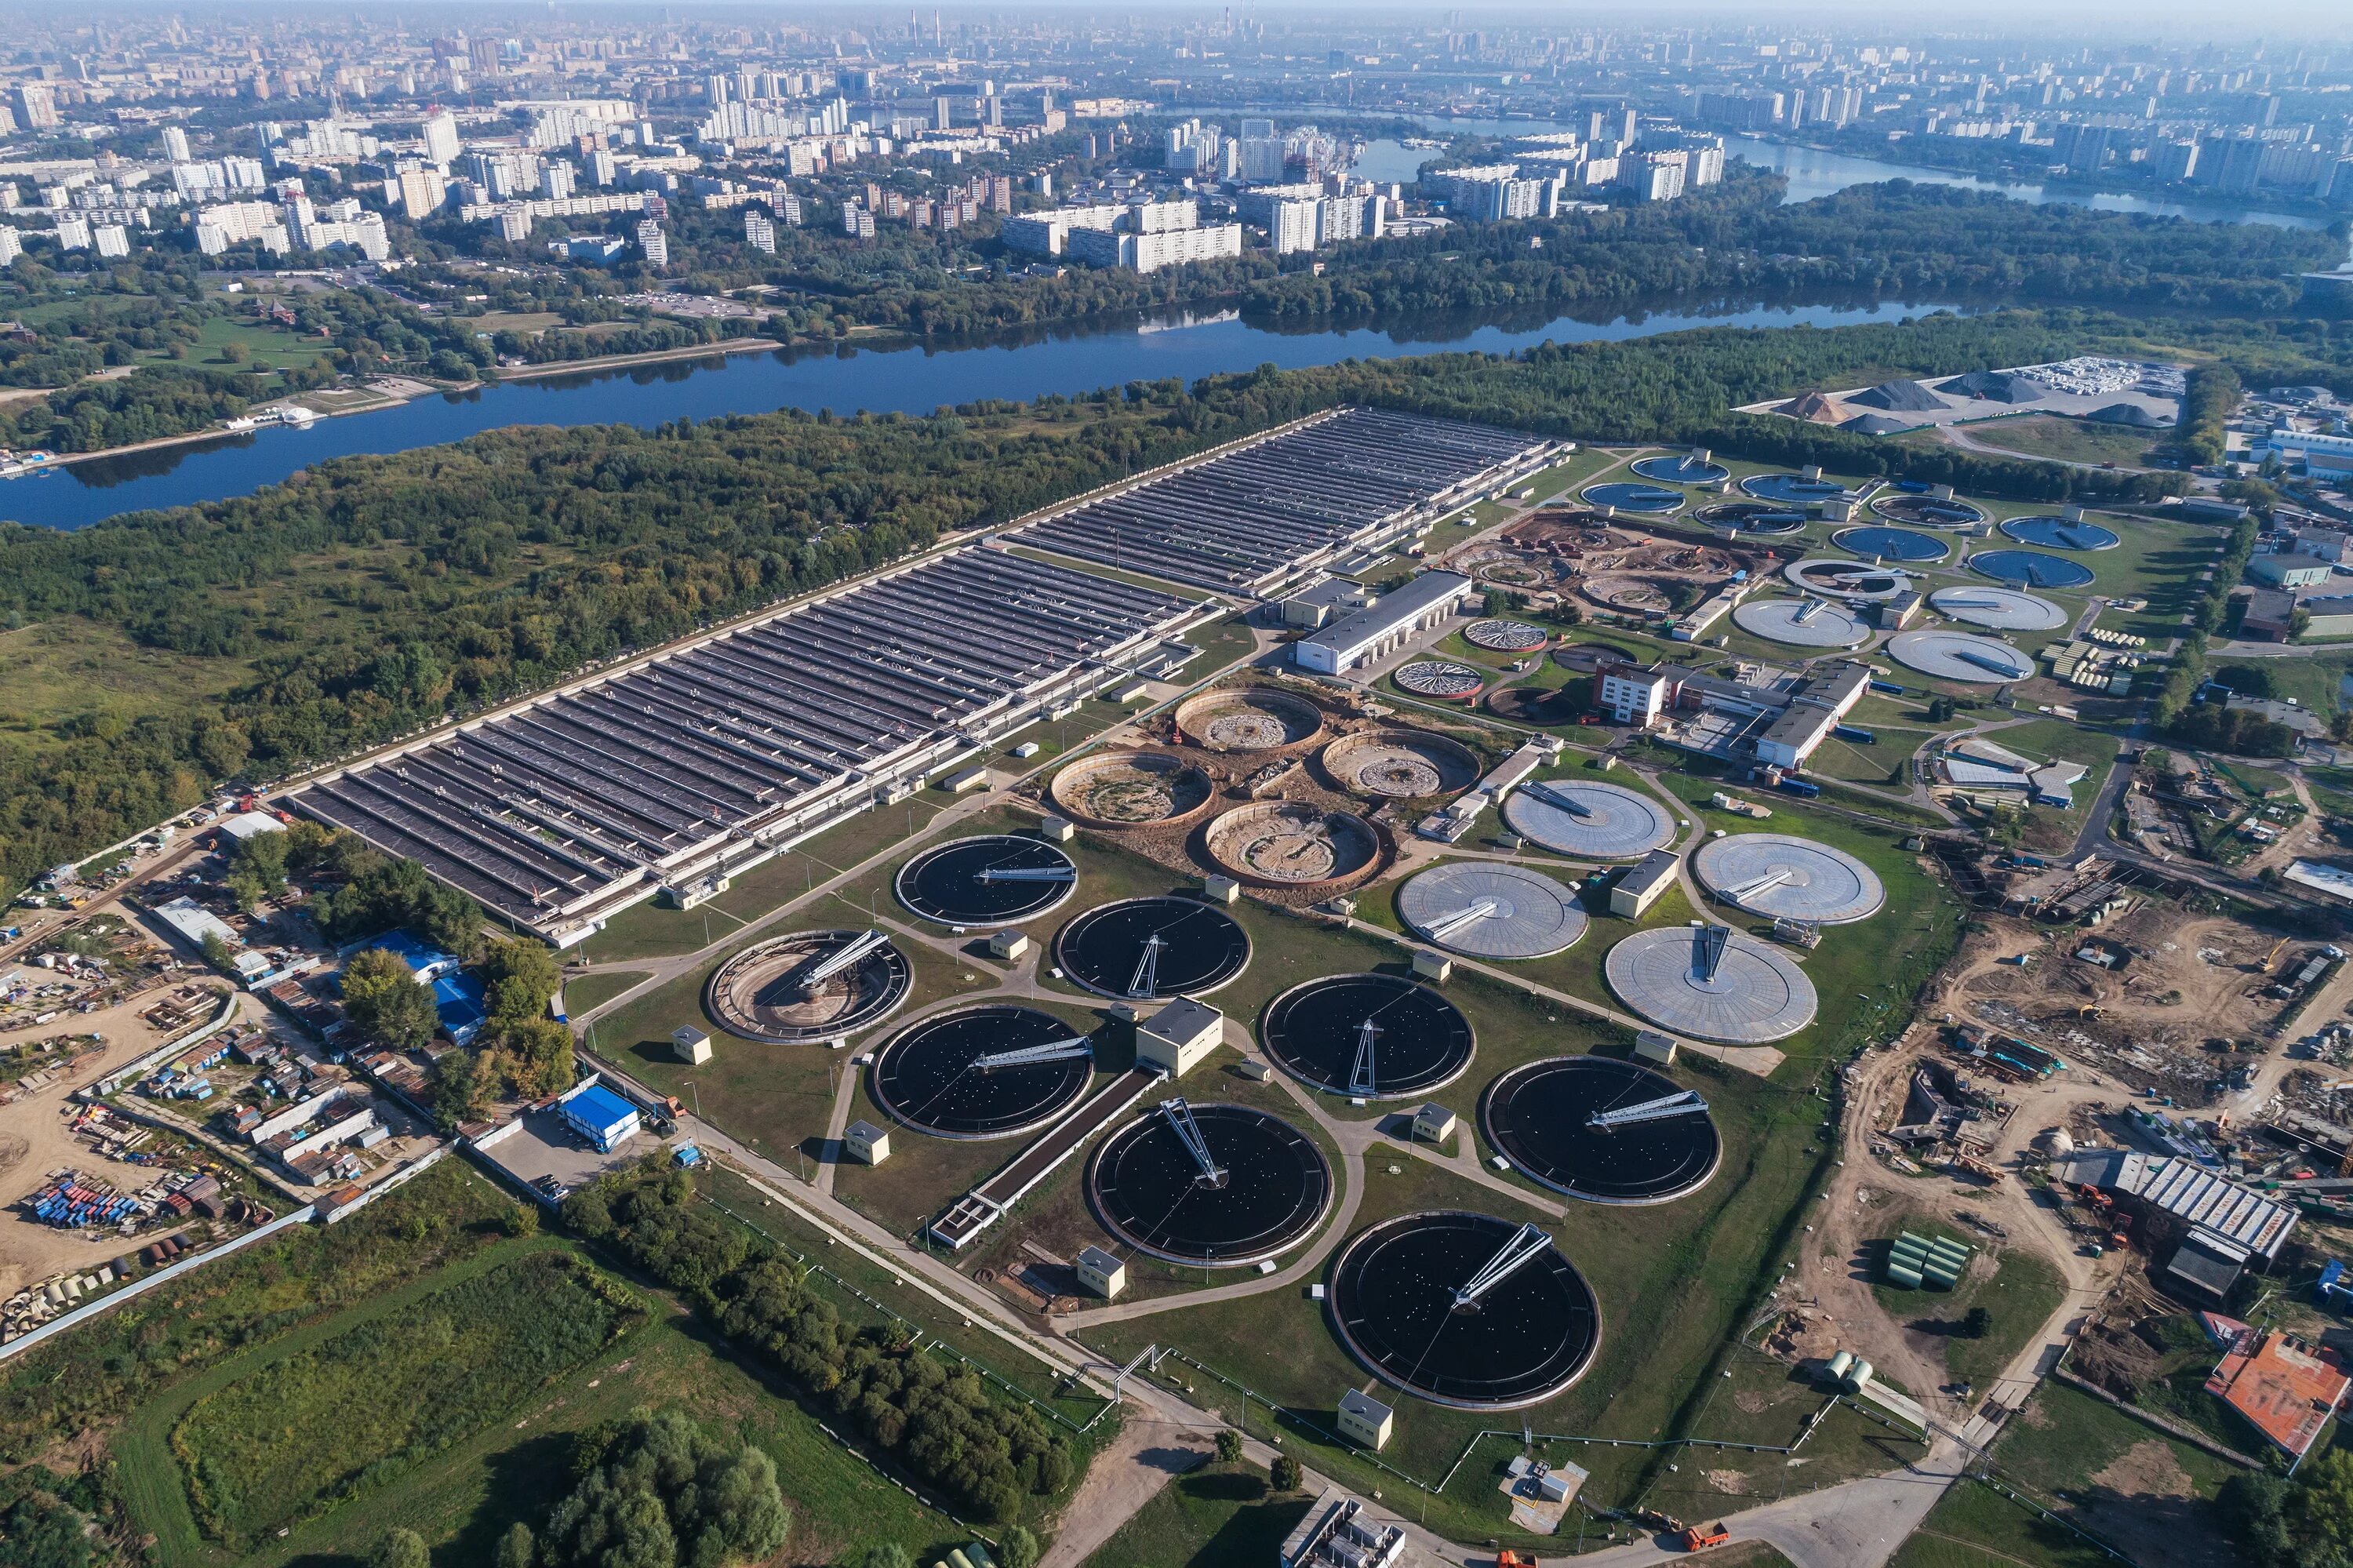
1175, 791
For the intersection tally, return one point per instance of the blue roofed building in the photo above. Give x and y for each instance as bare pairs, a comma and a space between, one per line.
601, 1117
463, 1005
426, 962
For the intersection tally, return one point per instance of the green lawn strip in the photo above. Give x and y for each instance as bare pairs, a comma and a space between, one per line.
652, 930
1766, 1402
594, 990
1212, 1516
153, 1483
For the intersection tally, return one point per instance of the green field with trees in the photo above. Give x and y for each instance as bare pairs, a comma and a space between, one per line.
296, 1436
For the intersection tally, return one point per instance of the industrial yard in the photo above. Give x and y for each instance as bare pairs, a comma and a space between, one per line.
1229, 981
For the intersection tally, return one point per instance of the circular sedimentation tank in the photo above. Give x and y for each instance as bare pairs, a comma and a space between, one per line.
1587, 657
1588, 820
1132, 789
1688, 468
1761, 518
1923, 511
1525, 1334
1623, 495
1907, 546
1377, 1037
1266, 1189
1792, 490
1441, 678
938, 1076
1789, 878
2030, 569
995, 880
1959, 656
1534, 705
1602, 1130
808, 986
1255, 718
1492, 910
1399, 763
2001, 609
1802, 622
1851, 580
2059, 534
1501, 636
1710, 982
1151, 948
1290, 843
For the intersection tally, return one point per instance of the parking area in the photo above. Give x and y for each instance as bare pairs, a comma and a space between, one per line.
543, 1145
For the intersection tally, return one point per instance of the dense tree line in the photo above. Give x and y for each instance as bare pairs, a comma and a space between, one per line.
2208, 401
1734, 239
943, 1424
144, 406
2305, 1522
368, 597
656, 1491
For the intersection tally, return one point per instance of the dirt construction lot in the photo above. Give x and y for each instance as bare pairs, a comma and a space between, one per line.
2152, 1021
34, 1141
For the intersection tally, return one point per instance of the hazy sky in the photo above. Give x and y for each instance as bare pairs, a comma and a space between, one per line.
2327, 22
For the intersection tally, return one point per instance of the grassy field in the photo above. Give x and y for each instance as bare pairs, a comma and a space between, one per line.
2019, 1288
463, 1495
2102, 1472
588, 991
1975, 1526
294, 1435
69, 668
1216, 1515
2064, 440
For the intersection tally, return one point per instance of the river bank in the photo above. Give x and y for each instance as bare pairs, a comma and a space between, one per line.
878, 374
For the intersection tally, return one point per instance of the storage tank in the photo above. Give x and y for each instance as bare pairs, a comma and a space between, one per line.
1857, 1375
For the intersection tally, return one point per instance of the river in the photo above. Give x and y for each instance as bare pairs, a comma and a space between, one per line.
916, 378
901, 376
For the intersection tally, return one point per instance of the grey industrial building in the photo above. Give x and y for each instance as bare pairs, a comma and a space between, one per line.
1254, 516
695, 764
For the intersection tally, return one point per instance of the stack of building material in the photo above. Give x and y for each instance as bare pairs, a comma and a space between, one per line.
1936, 1262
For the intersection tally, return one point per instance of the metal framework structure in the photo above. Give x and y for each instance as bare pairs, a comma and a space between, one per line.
1180, 1117
574, 806
818, 967
1527, 1244
1686, 1103
1361, 1078
1032, 1056
1147, 966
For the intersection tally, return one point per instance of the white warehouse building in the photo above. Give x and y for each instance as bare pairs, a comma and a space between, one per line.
1382, 627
